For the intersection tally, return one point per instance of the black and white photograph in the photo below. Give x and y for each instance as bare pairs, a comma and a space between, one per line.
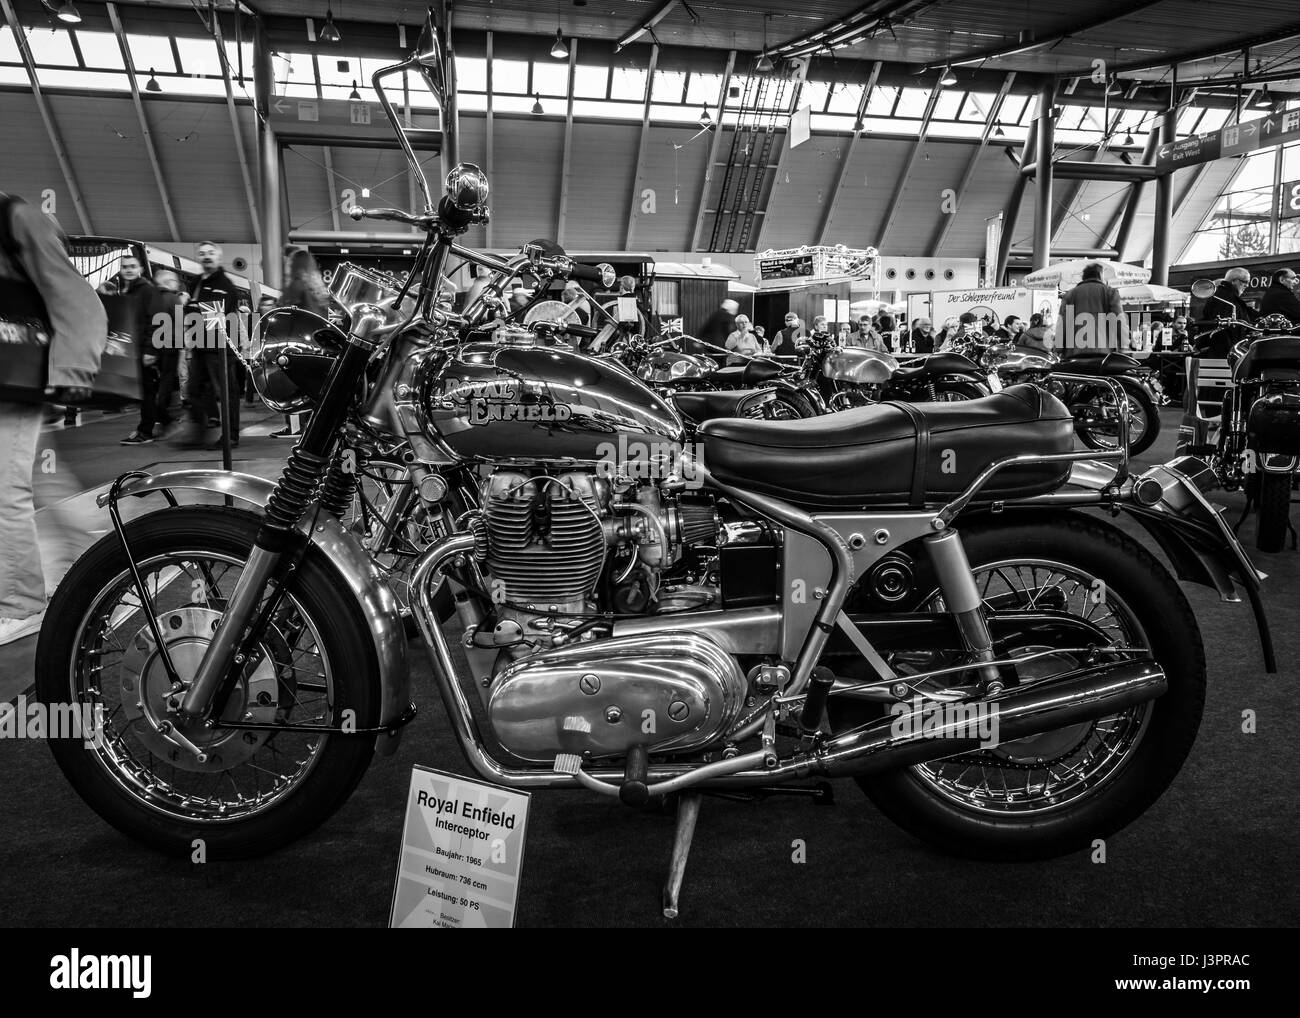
651, 464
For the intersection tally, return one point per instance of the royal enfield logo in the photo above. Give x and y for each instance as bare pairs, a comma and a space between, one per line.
504, 400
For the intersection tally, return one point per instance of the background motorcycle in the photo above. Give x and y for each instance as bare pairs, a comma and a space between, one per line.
1093, 404
630, 631
1255, 442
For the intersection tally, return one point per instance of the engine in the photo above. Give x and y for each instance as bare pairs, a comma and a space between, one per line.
559, 553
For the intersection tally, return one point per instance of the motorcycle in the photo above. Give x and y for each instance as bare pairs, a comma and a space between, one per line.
1088, 394
903, 594
1255, 442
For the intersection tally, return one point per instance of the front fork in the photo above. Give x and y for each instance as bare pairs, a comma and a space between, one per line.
241, 625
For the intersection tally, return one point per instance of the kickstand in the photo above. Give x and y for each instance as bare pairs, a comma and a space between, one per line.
688, 810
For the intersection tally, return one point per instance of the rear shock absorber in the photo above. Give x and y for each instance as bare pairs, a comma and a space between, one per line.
934, 393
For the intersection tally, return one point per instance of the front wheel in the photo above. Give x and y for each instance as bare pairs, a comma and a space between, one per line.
1054, 793
256, 789
1274, 511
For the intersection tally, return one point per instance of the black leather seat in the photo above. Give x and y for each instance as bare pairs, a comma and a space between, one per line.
895, 454
705, 406
1270, 352
753, 373
1100, 362
939, 364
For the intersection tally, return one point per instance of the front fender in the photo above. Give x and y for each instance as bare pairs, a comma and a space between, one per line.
355, 570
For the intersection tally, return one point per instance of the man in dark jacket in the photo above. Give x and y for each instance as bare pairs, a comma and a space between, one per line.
1280, 298
789, 338
216, 300
35, 267
1229, 293
1092, 316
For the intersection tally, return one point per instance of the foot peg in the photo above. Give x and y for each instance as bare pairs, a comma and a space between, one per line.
635, 789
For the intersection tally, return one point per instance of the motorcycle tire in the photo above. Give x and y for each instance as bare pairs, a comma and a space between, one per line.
1166, 731
1142, 404
123, 797
1274, 497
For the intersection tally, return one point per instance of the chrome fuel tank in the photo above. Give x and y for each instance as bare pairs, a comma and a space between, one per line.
856, 365
539, 404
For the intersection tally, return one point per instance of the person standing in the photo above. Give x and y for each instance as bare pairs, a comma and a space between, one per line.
1280, 298
166, 341
923, 336
789, 338
141, 294
215, 298
579, 313
1092, 316
306, 290
742, 342
38, 281
716, 329
1036, 339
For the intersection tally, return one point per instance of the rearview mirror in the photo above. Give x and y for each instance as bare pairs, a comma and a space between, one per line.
429, 51
1203, 289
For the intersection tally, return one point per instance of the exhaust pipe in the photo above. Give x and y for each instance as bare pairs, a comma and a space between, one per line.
1086, 695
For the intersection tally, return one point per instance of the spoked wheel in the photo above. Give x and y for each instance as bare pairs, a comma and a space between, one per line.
1097, 417
245, 791
1053, 793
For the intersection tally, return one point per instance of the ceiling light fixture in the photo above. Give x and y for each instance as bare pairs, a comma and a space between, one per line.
329, 31
537, 104
947, 79
152, 84
997, 130
67, 13
706, 120
1263, 101
558, 49
354, 93
1128, 139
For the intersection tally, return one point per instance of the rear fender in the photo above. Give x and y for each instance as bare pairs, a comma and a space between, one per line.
350, 562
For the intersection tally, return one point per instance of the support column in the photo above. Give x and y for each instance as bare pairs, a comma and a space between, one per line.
1012, 216
1164, 216
273, 234
1043, 176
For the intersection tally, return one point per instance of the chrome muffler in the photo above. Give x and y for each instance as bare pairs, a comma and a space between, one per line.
1087, 695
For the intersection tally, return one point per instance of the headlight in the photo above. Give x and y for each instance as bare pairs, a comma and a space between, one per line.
291, 356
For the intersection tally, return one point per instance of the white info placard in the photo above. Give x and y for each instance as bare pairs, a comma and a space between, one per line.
462, 853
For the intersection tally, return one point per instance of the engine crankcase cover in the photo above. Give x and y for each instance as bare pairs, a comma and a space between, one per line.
671, 692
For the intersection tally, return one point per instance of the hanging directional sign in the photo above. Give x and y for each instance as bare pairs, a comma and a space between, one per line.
1231, 140
342, 121
1288, 199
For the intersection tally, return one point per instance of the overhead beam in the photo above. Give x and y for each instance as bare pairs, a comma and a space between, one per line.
568, 143
634, 204
646, 26
891, 210
1015, 49
238, 134
851, 28
1283, 34
1081, 169
714, 142
829, 210
145, 133
47, 118
1128, 214
990, 119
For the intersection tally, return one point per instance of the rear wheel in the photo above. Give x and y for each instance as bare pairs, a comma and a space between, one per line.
1096, 420
1274, 511
1054, 793
257, 789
